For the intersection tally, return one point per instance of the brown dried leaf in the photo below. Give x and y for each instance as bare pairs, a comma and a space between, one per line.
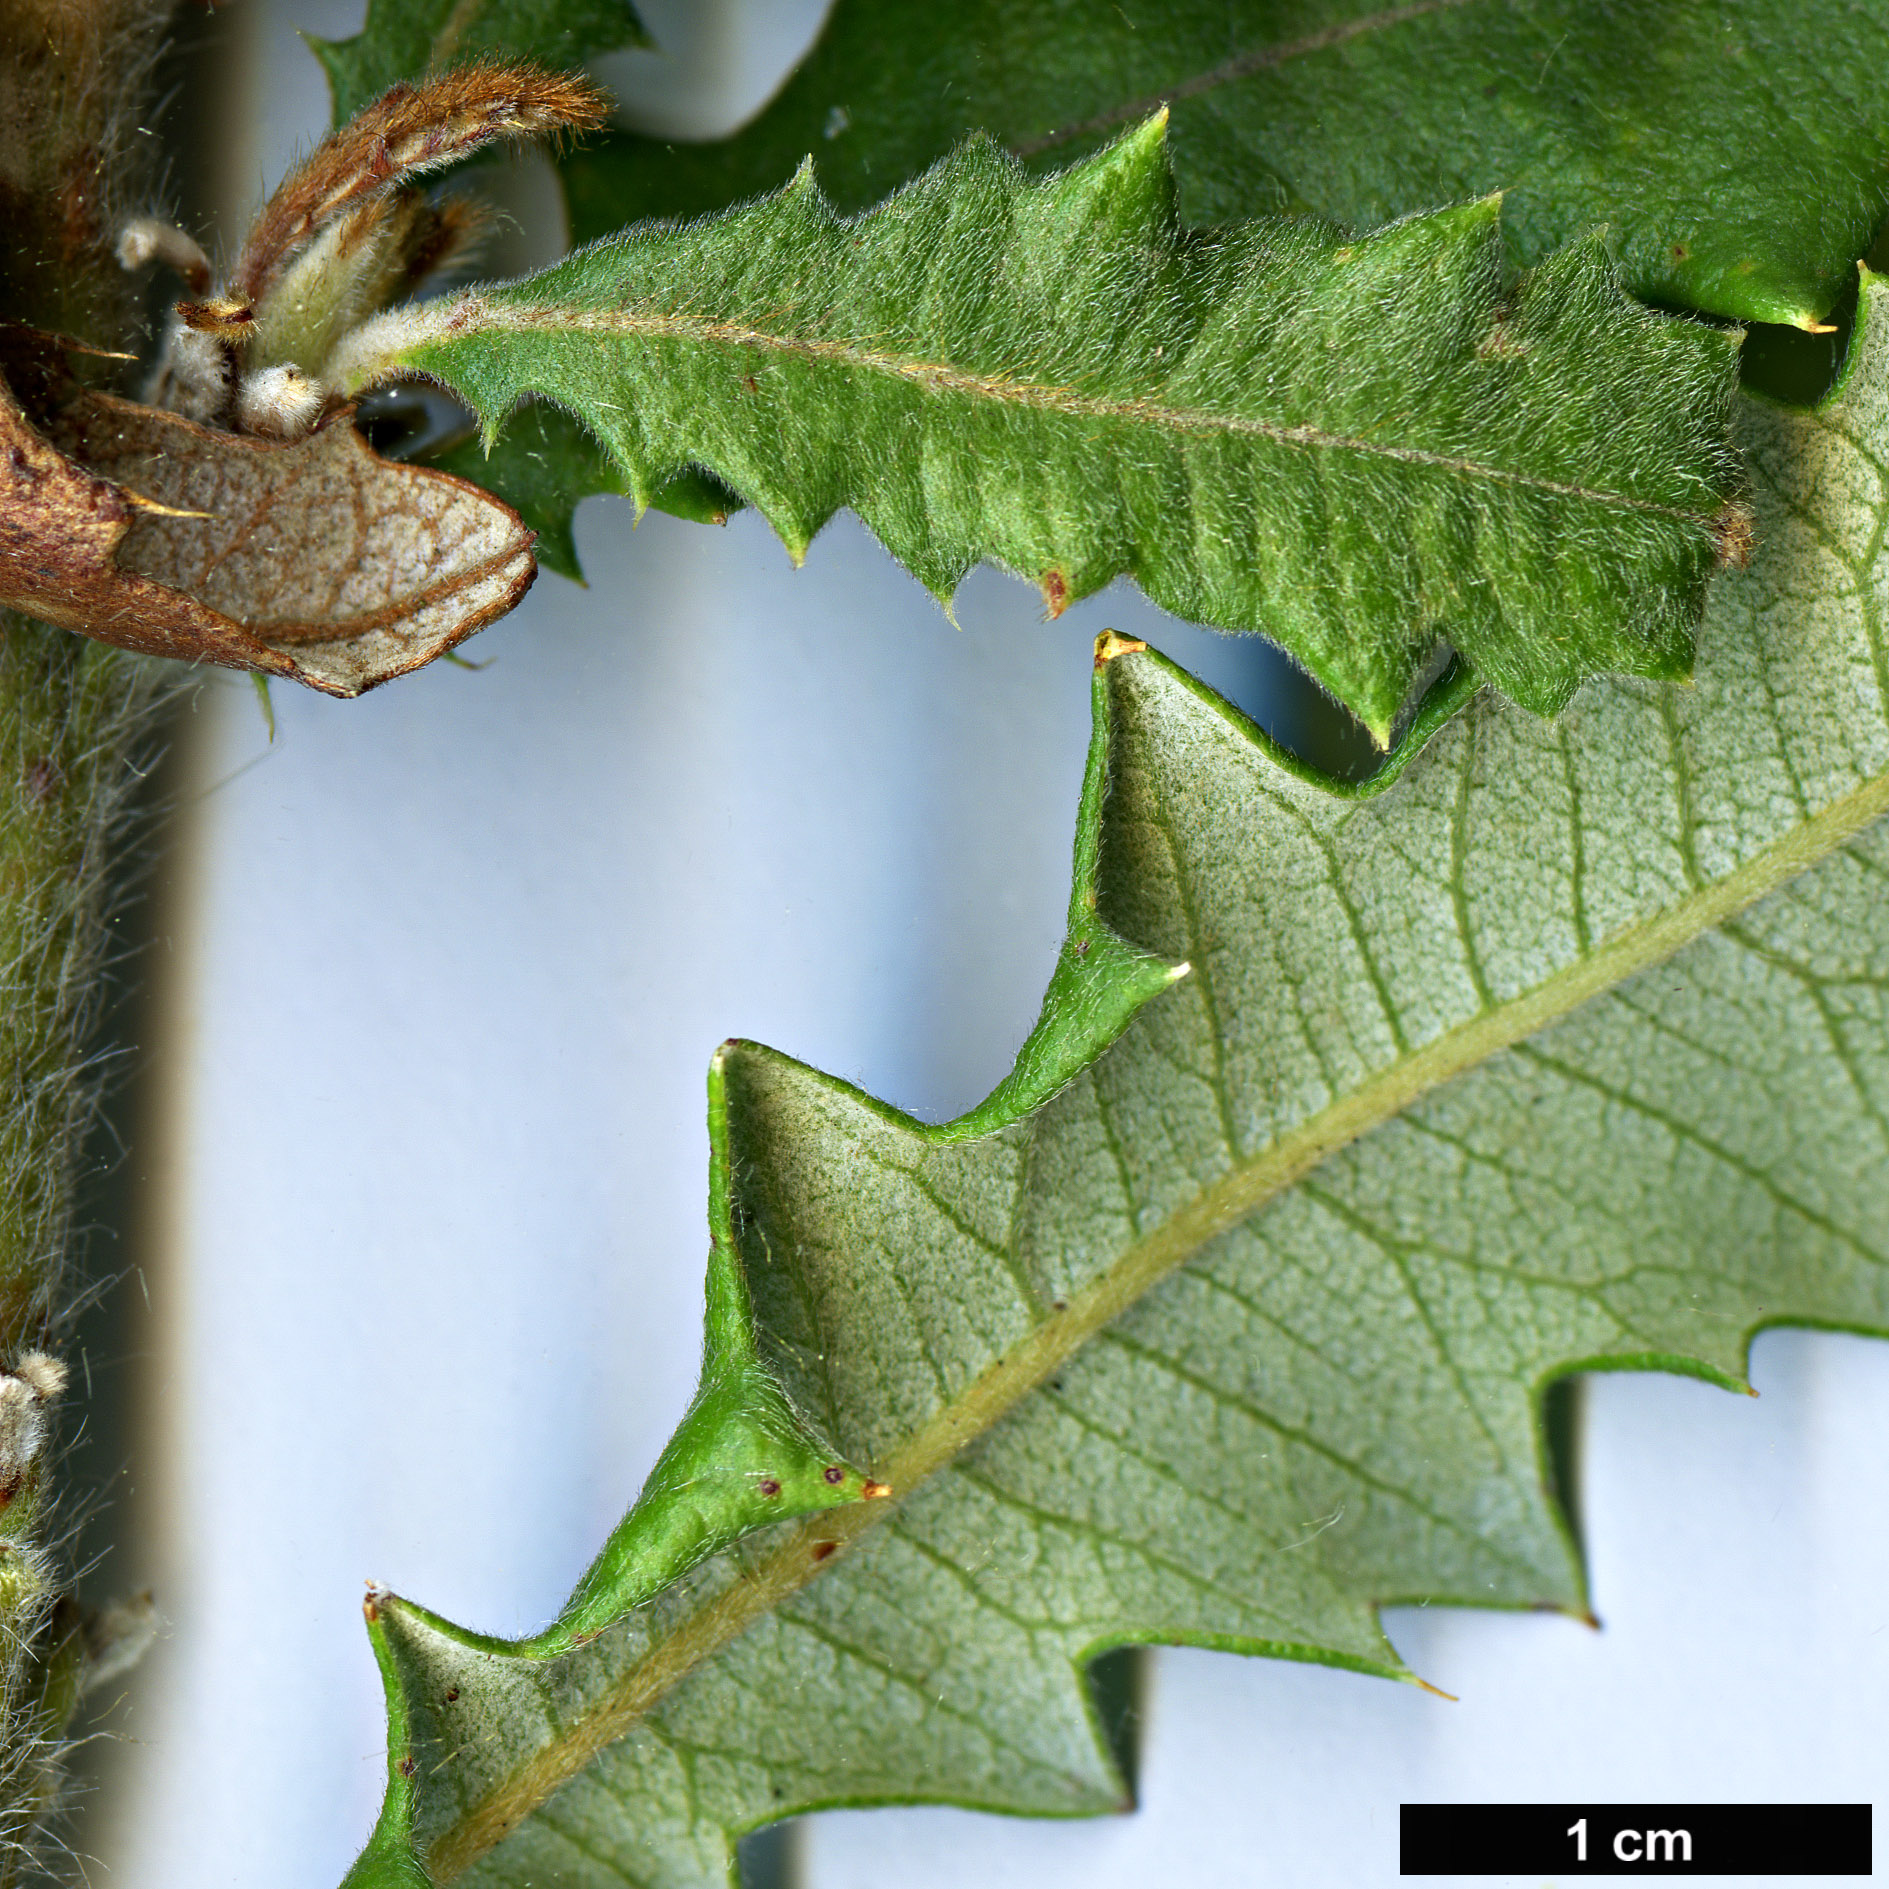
319, 560
59, 529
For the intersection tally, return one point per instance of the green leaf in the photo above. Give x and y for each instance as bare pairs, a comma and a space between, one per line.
1739, 153
1565, 1051
546, 462
1361, 448
401, 39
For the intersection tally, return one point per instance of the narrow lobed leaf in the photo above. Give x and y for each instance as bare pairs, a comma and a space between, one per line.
1739, 153
1361, 447
1567, 1050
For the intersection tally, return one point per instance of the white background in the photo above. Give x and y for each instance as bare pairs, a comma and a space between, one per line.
442, 980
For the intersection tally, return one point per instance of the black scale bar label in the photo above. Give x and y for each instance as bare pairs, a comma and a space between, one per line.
1636, 1839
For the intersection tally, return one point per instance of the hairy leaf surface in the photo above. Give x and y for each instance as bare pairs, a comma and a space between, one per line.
548, 463
1566, 1049
1739, 152
1361, 448
401, 39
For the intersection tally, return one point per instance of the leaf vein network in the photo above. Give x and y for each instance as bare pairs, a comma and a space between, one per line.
1684, 1132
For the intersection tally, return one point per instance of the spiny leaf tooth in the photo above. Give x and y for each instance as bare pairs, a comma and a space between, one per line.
1125, 189
1111, 643
741, 1460
390, 1861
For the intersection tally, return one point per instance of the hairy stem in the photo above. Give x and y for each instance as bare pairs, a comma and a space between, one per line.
74, 717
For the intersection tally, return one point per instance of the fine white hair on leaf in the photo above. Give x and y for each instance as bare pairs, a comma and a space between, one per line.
280, 403
370, 353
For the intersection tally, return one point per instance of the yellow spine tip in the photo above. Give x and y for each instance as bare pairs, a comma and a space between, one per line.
1111, 644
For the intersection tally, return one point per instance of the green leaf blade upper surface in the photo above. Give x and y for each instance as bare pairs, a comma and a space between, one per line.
1738, 152
1360, 448
1567, 1050
401, 39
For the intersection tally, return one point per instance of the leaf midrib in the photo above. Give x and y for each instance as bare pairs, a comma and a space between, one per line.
1241, 66
1239, 1193
482, 318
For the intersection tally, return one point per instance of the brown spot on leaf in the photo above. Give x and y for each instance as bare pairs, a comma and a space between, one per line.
822, 1549
406, 1767
770, 1487
43, 779
1498, 344
452, 1695
1055, 593
316, 560
1736, 534
1680, 252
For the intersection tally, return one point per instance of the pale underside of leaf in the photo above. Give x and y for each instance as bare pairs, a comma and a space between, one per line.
1363, 449
1737, 152
1569, 1050
317, 560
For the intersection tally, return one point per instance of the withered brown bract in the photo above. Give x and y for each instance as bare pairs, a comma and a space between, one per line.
316, 560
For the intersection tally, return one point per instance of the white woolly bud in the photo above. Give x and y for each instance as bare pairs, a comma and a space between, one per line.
46, 1375
197, 377
146, 239
280, 403
25, 1394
